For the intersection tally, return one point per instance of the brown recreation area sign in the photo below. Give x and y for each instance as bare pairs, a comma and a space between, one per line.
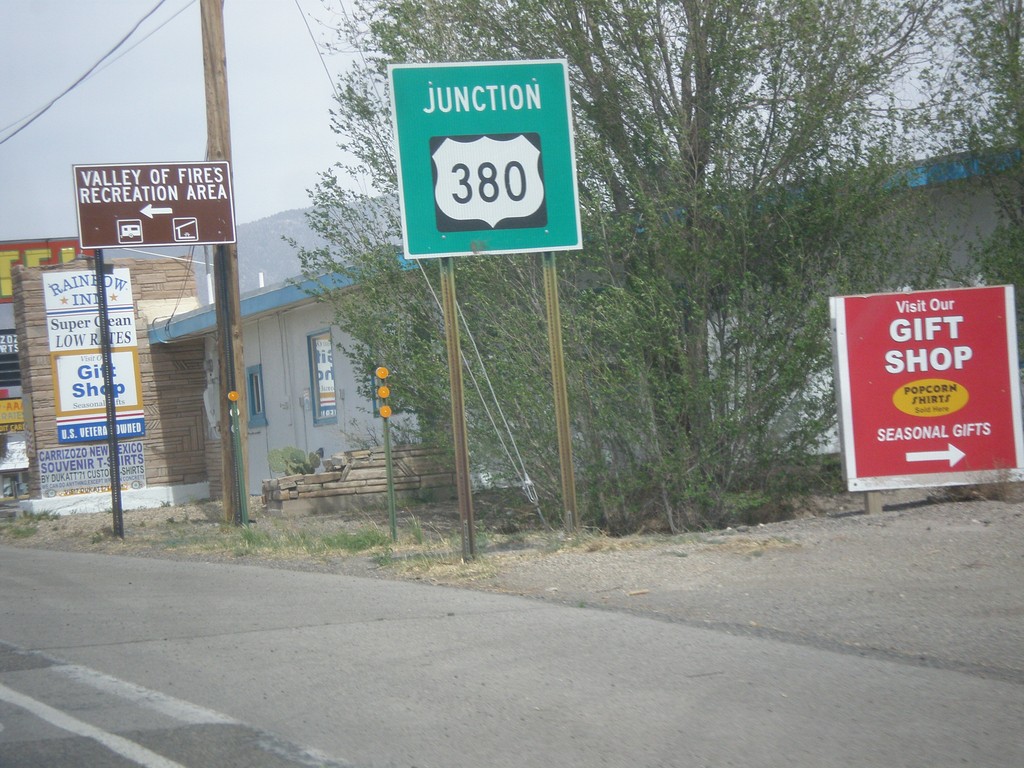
161, 204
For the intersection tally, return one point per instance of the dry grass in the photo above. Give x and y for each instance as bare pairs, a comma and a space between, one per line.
428, 544
446, 568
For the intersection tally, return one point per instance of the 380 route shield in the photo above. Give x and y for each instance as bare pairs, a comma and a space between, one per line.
486, 160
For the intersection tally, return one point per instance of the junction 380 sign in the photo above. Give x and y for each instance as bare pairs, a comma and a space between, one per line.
929, 388
486, 158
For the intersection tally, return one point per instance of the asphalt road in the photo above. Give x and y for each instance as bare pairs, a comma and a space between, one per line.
115, 661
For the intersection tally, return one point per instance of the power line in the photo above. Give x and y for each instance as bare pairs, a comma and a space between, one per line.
148, 35
317, 47
94, 68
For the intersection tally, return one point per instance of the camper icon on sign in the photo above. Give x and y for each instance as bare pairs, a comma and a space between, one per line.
129, 230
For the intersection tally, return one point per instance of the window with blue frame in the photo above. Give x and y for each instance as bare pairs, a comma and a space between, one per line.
257, 403
321, 369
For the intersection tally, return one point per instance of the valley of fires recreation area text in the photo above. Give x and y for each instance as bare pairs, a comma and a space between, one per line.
159, 185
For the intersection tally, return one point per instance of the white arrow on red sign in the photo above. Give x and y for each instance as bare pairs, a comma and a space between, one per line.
952, 454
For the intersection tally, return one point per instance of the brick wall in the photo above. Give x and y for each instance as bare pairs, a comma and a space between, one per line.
353, 480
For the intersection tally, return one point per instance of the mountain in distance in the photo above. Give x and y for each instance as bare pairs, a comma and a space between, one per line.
263, 249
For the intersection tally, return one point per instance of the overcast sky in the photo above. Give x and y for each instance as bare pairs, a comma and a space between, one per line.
149, 104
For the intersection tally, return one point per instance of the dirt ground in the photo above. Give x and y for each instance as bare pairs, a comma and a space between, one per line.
521, 553
503, 522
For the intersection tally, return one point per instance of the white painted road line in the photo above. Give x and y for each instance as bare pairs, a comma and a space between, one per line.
122, 746
183, 711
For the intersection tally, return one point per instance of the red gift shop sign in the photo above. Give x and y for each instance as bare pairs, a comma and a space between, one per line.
929, 388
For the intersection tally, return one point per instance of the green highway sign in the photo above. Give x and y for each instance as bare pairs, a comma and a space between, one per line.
485, 158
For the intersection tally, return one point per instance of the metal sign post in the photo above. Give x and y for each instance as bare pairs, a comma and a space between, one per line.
390, 476
571, 518
113, 456
459, 434
241, 514
383, 392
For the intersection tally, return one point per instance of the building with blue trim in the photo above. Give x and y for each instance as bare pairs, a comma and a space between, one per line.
300, 389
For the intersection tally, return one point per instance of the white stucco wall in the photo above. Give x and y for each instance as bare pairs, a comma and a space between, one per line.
964, 213
279, 344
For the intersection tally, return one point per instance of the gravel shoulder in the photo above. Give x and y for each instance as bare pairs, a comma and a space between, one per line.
927, 581
935, 585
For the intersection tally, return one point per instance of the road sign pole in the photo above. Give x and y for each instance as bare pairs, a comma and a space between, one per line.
486, 164
571, 518
462, 482
381, 395
113, 457
242, 513
390, 474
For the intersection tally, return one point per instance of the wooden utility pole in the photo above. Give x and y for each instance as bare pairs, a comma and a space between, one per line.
234, 473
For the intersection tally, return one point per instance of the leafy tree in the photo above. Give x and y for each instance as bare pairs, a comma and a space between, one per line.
978, 92
736, 168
